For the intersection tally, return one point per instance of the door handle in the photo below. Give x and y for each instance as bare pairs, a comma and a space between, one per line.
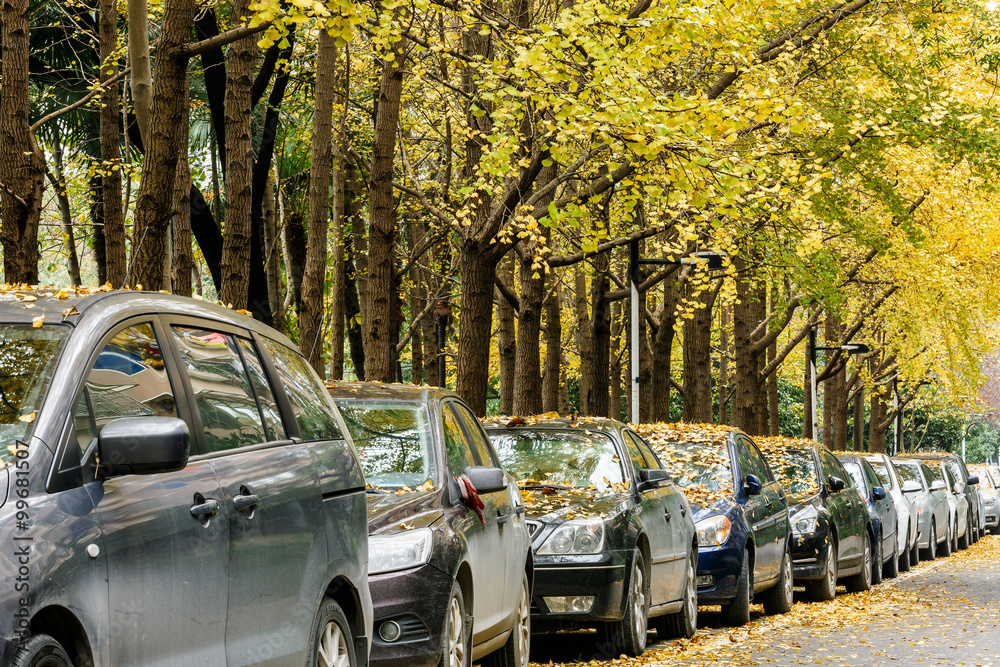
519, 509
502, 518
245, 503
666, 515
204, 509
684, 511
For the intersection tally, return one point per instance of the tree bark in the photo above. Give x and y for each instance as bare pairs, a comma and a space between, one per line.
183, 259
506, 339
724, 353
600, 336
295, 256
583, 340
141, 77
116, 253
807, 402
553, 352
749, 396
62, 198
236, 235
773, 412
354, 260
314, 277
272, 249
663, 351
698, 353
876, 434
478, 269
615, 364
97, 224
859, 420
415, 234
835, 395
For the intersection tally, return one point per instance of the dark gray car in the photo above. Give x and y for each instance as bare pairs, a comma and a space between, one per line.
178, 489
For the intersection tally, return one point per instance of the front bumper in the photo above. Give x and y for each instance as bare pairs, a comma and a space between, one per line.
603, 577
417, 601
809, 556
723, 565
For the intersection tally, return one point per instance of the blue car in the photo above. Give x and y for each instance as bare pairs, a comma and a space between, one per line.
885, 561
740, 514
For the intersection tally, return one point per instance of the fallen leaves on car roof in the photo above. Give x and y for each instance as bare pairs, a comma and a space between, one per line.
778, 450
704, 473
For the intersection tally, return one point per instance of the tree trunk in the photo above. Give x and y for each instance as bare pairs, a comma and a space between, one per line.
295, 256
236, 235
527, 368
663, 351
724, 395
876, 434
506, 339
141, 77
314, 276
62, 198
378, 313
600, 336
749, 396
183, 256
773, 412
478, 269
583, 340
807, 401
154, 199
418, 301
96, 191
835, 395
116, 253
354, 260
698, 354
553, 352
272, 247
859, 420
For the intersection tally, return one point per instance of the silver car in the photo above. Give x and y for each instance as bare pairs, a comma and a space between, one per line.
989, 491
906, 513
931, 501
179, 490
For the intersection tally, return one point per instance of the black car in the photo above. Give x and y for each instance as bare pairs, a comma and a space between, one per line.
883, 515
183, 487
740, 514
450, 565
613, 536
832, 533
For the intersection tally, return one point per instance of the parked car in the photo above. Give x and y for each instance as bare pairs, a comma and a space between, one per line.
989, 491
832, 534
933, 509
613, 537
947, 471
450, 569
740, 513
883, 513
906, 513
182, 485
961, 483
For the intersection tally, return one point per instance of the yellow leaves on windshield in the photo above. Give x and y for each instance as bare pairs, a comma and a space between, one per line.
27, 419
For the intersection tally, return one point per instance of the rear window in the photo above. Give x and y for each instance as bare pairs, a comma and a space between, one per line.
311, 404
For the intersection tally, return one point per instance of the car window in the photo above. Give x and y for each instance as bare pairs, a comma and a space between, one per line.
128, 379
638, 460
933, 473
648, 454
908, 473
456, 447
857, 476
949, 474
576, 459
870, 475
956, 472
750, 460
222, 389
882, 474
265, 393
477, 439
394, 441
311, 404
833, 468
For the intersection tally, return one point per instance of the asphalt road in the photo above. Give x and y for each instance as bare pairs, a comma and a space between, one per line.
944, 612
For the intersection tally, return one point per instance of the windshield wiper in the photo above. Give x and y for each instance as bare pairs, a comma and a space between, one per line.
381, 492
535, 487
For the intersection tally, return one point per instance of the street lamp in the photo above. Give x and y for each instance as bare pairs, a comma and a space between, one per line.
848, 348
712, 260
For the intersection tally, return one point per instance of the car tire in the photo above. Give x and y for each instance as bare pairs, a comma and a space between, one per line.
903, 562
877, 563
628, 635
944, 549
778, 599
954, 537
737, 611
332, 639
683, 623
914, 555
455, 649
930, 553
821, 590
862, 581
890, 570
964, 540
514, 653
41, 651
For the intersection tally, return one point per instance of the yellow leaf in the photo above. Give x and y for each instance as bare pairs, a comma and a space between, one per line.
38, 321
27, 419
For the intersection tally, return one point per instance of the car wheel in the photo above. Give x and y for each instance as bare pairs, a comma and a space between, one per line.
333, 642
628, 636
514, 653
944, 549
877, 562
914, 555
903, 562
455, 635
930, 553
41, 651
778, 599
737, 611
824, 589
862, 581
684, 623
891, 568
954, 537
963, 541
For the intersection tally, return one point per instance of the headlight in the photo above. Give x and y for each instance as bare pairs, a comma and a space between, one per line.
580, 536
713, 531
804, 521
399, 551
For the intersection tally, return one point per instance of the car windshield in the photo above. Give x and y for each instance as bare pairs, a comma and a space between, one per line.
393, 439
795, 469
908, 472
702, 469
854, 470
27, 360
571, 459
884, 478
936, 473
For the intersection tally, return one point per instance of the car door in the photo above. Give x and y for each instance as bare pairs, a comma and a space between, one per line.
657, 520
510, 523
270, 492
777, 510
756, 509
846, 507
681, 529
166, 536
886, 509
487, 555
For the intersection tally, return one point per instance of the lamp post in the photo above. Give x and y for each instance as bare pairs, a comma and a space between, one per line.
849, 348
713, 260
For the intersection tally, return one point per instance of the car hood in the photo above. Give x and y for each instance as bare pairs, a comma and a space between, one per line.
385, 510
721, 506
564, 505
798, 501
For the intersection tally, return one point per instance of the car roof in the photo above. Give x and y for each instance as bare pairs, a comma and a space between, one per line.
930, 456
553, 422
387, 391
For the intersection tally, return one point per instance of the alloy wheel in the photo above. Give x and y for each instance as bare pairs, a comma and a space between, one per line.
639, 601
333, 651
456, 634
523, 628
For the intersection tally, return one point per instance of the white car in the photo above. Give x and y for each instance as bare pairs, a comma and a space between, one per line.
989, 492
906, 513
934, 514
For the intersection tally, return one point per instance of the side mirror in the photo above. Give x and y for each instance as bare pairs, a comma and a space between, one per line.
911, 487
143, 446
752, 486
937, 485
651, 477
973, 479
486, 480
835, 484
878, 493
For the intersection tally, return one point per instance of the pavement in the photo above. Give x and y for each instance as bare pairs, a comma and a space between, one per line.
943, 612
